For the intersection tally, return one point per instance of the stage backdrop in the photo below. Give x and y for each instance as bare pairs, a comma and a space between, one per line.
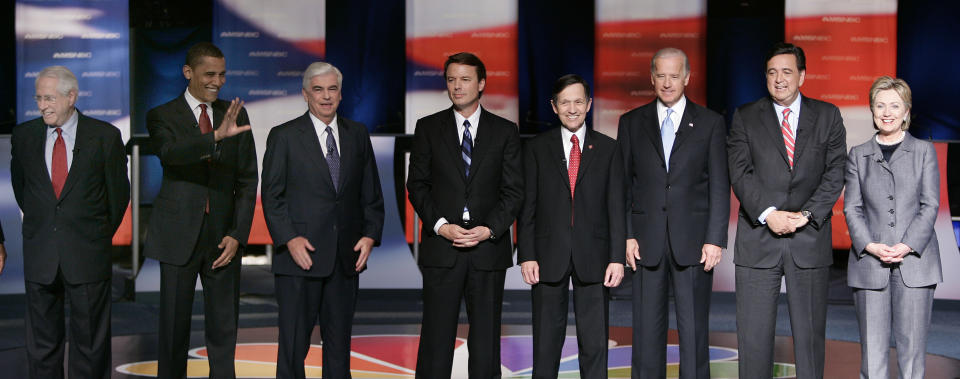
628, 34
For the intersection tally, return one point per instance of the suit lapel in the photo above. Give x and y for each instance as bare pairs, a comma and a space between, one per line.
186, 119
346, 144
651, 127
448, 131
555, 154
83, 146
805, 123
310, 143
39, 157
905, 148
685, 129
769, 123
586, 158
480, 150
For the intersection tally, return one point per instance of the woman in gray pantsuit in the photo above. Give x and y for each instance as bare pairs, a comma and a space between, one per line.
891, 199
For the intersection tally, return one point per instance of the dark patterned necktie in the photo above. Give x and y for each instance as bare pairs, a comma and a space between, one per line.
333, 158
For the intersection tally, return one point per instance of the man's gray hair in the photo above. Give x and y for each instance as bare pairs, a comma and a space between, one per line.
66, 81
320, 68
670, 52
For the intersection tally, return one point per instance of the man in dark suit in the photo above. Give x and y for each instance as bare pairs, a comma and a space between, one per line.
201, 217
571, 227
69, 175
678, 208
324, 208
787, 155
466, 184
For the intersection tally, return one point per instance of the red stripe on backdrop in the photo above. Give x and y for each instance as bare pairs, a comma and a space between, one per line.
845, 53
496, 46
622, 63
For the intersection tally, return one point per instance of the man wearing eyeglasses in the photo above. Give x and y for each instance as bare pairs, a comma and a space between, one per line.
69, 175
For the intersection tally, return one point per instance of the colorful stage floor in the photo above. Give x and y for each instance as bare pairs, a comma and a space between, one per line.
389, 351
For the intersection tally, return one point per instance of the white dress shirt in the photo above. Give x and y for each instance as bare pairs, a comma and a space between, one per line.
677, 114
321, 130
195, 107
69, 132
567, 145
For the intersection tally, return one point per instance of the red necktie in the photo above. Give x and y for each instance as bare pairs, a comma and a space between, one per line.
59, 164
205, 127
574, 163
787, 135
573, 169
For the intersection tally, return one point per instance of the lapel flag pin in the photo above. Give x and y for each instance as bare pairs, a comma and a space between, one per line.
691, 124
590, 146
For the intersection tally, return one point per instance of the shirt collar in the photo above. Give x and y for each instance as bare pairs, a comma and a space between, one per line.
794, 107
581, 133
68, 128
321, 126
678, 108
474, 118
192, 101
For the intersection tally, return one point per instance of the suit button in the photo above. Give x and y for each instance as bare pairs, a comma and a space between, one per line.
334, 227
55, 228
664, 209
668, 186
890, 197
892, 224
891, 211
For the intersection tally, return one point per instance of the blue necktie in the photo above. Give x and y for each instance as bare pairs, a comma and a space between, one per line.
333, 158
667, 136
466, 149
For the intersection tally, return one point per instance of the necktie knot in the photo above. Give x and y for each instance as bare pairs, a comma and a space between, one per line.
786, 112
575, 140
203, 107
59, 131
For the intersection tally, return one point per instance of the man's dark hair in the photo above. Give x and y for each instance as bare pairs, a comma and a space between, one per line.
468, 59
787, 48
568, 80
200, 50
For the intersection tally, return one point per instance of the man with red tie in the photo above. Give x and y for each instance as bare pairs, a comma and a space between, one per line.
787, 154
201, 217
69, 175
571, 229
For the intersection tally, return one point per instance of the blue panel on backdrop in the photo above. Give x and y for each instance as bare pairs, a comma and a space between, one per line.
91, 38
550, 49
365, 40
926, 59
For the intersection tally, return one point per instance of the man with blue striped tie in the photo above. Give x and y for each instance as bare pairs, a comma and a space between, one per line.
466, 184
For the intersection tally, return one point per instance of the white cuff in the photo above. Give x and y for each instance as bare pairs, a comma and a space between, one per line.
440, 222
763, 216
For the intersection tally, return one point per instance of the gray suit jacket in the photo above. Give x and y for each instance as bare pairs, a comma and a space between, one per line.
891, 203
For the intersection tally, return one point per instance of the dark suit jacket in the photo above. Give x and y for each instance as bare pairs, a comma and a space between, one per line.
72, 233
597, 235
299, 198
761, 177
438, 186
690, 205
195, 169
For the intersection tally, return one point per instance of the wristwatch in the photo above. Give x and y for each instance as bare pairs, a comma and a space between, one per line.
807, 214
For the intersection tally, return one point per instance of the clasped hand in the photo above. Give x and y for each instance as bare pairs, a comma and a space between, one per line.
464, 237
783, 222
